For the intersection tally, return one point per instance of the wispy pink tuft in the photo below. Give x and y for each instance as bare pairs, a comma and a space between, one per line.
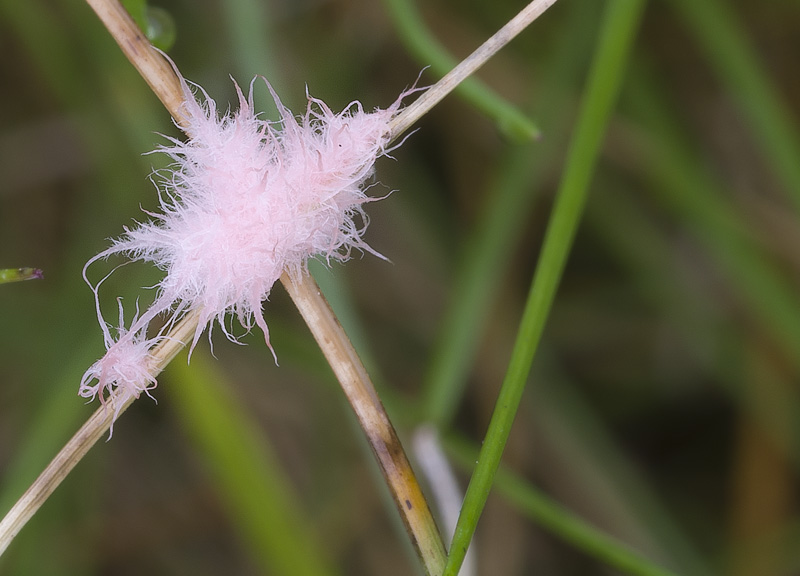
245, 200
125, 365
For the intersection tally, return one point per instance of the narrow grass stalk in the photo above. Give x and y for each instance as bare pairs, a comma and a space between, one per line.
152, 66
88, 434
488, 250
560, 521
448, 495
619, 26
429, 52
372, 417
468, 66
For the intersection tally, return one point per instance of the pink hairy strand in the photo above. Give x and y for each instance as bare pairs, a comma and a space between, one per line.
244, 200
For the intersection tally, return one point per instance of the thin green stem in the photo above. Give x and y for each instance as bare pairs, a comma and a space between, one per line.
488, 251
619, 26
558, 520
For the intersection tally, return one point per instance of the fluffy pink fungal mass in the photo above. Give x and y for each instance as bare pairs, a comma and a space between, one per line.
127, 364
245, 200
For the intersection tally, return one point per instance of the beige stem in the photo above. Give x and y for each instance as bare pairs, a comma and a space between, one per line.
91, 431
369, 410
433, 95
150, 63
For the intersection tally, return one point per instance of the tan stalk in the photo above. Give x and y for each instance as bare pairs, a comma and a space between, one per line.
433, 95
150, 63
163, 80
91, 431
371, 415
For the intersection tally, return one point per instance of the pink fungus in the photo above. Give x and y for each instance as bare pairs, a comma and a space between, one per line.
244, 200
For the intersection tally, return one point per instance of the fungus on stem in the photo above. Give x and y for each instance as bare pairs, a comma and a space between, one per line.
166, 84
88, 434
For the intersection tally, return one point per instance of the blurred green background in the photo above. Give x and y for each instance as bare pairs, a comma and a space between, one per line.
663, 406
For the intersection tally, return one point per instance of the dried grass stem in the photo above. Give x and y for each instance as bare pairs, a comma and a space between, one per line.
92, 430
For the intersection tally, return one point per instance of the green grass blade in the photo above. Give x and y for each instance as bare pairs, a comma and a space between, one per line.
619, 26
428, 51
559, 521
248, 475
488, 250
728, 49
